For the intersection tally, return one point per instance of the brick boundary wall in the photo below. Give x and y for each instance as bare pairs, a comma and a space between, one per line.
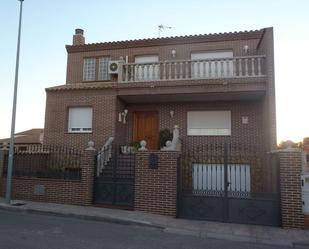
290, 187
76, 192
156, 189
306, 222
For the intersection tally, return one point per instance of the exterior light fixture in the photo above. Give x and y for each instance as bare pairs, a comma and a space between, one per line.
173, 53
122, 116
246, 49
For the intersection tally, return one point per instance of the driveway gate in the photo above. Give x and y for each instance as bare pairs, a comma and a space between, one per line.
229, 183
114, 185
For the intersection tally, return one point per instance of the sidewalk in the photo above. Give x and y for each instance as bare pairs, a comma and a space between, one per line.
204, 229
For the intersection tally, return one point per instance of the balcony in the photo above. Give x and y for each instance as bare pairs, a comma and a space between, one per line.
177, 70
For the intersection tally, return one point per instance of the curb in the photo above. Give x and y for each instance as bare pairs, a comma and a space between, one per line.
81, 216
172, 230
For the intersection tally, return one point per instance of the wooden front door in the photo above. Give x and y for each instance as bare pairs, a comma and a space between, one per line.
146, 127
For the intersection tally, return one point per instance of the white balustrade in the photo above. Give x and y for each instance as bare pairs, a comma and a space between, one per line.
237, 67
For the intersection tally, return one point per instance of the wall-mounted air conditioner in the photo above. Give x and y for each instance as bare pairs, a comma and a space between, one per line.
113, 67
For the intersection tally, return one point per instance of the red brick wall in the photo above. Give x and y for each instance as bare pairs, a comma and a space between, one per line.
57, 191
306, 221
78, 192
290, 187
266, 47
156, 189
56, 117
250, 133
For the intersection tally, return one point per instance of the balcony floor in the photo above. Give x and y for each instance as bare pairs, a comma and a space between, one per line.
192, 97
200, 91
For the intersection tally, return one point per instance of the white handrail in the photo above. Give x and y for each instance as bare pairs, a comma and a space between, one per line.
104, 155
232, 67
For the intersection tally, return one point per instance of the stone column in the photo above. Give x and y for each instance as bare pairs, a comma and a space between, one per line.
87, 179
290, 188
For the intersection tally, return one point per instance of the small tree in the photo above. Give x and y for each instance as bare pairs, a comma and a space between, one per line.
289, 143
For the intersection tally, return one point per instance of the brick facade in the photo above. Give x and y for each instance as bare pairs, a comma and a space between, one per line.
250, 133
247, 96
156, 189
290, 187
77, 192
266, 46
104, 104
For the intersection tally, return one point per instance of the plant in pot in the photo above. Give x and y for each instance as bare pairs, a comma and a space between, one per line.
164, 136
135, 145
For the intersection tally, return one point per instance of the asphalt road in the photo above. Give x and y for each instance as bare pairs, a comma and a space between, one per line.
33, 231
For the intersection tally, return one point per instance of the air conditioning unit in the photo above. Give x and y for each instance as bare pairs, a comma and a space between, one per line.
113, 67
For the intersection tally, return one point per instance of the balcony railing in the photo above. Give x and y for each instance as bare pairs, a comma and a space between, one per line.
236, 67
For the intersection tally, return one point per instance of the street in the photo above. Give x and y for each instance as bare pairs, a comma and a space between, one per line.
34, 231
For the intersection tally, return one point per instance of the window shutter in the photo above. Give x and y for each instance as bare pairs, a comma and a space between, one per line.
80, 119
209, 123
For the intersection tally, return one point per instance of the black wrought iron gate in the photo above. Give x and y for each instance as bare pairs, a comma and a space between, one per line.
114, 185
229, 183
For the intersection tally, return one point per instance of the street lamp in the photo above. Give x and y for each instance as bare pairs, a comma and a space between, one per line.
11, 150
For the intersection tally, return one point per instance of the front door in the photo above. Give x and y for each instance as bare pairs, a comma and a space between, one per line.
146, 127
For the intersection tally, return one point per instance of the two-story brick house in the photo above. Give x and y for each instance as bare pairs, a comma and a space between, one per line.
215, 87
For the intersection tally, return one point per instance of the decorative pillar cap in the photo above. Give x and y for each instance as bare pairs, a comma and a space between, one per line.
90, 146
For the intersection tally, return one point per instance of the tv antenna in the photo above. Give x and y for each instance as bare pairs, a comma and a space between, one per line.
161, 28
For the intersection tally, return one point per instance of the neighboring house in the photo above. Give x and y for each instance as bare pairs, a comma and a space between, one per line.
25, 139
215, 87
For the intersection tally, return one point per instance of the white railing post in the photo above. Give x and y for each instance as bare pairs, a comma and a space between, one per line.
216, 69
252, 67
227, 64
210, 69
170, 71
126, 72
259, 66
120, 73
234, 73
175, 70
204, 69
240, 67
180, 70
132, 73
163, 71
147, 73
246, 67
222, 68
186, 70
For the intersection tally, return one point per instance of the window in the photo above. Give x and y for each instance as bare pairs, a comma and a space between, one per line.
103, 68
150, 70
209, 123
89, 69
210, 177
203, 68
80, 119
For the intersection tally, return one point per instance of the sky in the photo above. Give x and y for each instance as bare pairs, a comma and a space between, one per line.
48, 25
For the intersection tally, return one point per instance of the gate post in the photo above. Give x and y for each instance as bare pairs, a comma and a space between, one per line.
226, 183
290, 160
3, 152
87, 179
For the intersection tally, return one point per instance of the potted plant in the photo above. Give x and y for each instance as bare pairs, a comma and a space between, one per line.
164, 136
